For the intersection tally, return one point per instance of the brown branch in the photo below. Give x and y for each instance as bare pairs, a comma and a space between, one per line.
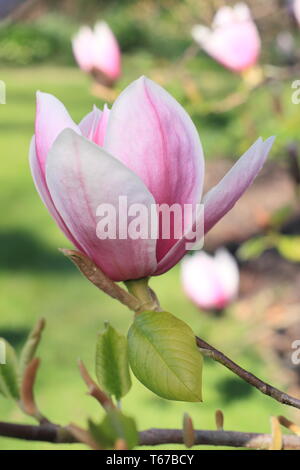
251, 379
152, 437
47, 432
249, 440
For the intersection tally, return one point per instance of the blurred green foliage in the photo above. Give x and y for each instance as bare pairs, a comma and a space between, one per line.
23, 44
161, 28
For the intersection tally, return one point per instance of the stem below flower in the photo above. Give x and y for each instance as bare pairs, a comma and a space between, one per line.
139, 288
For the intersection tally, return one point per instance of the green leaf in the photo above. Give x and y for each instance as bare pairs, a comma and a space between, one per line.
289, 247
253, 248
115, 426
112, 368
9, 373
280, 216
163, 355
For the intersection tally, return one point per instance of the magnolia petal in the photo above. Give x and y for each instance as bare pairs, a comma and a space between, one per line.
296, 10
228, 272
89, 123
210, 281
236, 46
233, 40
77, 173
220, 199
242, 12
41, 186
201, 282
106, 51
201, 34
93, 125
153, 136
82, 44
223, 17
51, 119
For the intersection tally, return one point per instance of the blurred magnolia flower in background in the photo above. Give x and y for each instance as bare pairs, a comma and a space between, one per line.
233, 39
211, 282
296, 10
97, 52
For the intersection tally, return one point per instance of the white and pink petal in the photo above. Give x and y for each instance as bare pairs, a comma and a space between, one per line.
153, 136
51, 119
81, 176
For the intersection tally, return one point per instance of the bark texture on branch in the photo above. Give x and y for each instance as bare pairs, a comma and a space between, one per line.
151, 437
250, 378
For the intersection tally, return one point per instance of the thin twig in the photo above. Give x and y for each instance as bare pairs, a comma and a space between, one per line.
151, 437
93, 389
251, 379
83, 436
289, 425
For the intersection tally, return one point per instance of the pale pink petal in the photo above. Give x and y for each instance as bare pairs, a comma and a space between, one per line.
106, 51
153, 136
201, 34
223, 17
242, 12
93, 125
51, 118
235, 46
90, 122
82, 44
81, 176
211, 282
228, 273
201, 282
220, 199
233, 40
41, 186
296, 9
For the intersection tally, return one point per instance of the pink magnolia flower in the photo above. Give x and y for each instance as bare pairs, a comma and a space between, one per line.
211, 282
97, 51
233, 39
145, 148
